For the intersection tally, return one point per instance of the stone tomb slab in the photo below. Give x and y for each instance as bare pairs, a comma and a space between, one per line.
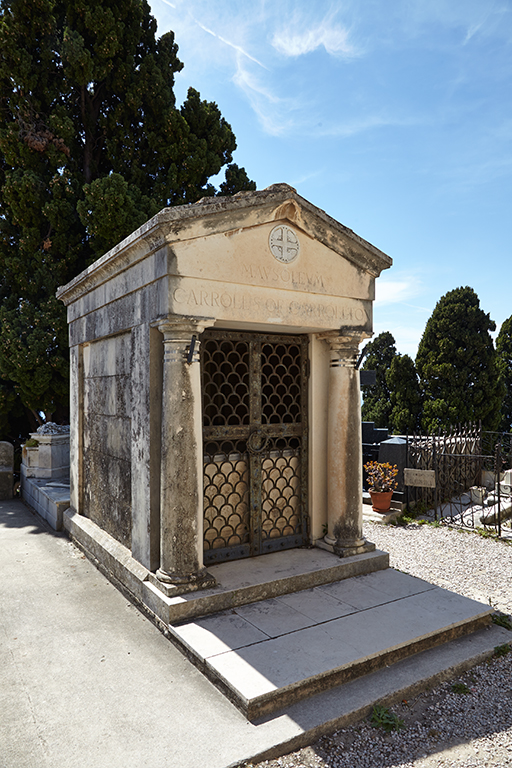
267, 655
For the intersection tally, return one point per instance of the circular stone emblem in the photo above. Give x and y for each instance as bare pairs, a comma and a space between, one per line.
284, 244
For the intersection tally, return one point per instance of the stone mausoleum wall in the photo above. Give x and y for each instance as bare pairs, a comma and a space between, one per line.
107, 435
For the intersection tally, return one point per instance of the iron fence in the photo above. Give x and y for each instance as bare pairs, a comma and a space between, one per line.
470, 466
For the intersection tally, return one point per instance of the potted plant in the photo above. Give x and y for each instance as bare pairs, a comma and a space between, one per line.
381, 484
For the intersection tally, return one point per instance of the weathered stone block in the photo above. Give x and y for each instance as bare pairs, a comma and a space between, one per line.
49, 459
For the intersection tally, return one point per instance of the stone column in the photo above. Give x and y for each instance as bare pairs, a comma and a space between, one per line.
181, 489
344, 447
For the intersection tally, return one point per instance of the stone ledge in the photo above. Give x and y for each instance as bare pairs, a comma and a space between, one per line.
272, 581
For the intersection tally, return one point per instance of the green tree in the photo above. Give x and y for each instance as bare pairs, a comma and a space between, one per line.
504, 352
404, 394
457, 364
92, 144
236, 181
379, 354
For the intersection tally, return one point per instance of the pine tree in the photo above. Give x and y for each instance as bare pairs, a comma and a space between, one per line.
91, 145
457, 364
405, 396
379, 354
504, 352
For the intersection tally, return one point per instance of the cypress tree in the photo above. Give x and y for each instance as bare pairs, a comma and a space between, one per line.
457, 364
379, 354
92, 144
405, 396
504, 352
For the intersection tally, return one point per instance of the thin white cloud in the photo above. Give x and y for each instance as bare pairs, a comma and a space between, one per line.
473, 29
397, 290
238, 48
296, 182
251, 43
470, 173
334, 39
471, 17
366, 123
396, 311
235, 47
252, 86
391, 291
274, 113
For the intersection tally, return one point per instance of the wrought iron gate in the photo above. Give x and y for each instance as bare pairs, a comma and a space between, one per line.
254, 443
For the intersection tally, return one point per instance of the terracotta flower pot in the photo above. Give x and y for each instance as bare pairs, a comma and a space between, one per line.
381, 501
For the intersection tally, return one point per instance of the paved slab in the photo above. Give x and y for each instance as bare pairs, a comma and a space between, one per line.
88, 682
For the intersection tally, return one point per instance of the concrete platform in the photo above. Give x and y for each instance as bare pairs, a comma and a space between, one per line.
89, 682
270, 654
272, 575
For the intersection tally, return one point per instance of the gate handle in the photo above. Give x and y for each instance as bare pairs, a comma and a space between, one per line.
257, 434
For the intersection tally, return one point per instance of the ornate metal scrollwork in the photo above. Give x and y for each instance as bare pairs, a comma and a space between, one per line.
252, 440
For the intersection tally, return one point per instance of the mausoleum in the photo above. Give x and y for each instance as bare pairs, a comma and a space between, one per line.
216, 452
215, 394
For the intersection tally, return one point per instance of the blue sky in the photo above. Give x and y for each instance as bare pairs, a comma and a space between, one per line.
394, 116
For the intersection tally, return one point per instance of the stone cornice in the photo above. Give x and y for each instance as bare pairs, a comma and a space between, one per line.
212, 215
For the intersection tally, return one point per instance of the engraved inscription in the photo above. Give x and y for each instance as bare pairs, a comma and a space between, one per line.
290, 277
284, 244
279, 308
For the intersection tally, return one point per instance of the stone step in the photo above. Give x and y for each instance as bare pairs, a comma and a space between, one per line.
48, 497
267, 655
237, 583
258, 578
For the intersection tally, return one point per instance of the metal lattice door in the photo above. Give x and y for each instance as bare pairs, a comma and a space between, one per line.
254, 443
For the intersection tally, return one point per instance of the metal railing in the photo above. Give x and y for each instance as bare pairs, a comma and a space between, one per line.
469, 464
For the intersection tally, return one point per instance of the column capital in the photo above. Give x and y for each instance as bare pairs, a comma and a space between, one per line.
182, 324
344, 345
180, 334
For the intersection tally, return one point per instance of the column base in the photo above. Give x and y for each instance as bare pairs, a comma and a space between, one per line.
172, 584
345, 548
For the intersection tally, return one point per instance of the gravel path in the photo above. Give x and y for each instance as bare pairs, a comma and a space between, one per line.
465, 723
